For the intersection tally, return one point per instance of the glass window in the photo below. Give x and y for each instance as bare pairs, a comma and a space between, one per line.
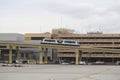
37, 38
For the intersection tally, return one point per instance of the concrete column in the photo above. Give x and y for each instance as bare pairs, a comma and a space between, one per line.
112, 60
18, 53
80, 55
77, 56
10, 54
0, 53
24, 55
45, 56
40, 56
54, 55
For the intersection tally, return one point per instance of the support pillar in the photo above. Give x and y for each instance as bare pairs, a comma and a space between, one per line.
40, 56
80, 56
10, 54
77, 56
45, 56
112, 60
24, 56
54, 55
18, 53
0, 53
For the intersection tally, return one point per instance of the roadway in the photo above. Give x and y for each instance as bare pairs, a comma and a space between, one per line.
61, 72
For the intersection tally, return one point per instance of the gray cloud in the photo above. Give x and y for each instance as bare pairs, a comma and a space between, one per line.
115, 8
105, 13
82, 11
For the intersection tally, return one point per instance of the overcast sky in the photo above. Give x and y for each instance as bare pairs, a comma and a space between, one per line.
35, 16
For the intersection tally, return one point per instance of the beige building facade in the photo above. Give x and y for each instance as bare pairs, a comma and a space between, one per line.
94, 39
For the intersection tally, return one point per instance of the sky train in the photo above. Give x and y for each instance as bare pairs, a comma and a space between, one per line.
63, 42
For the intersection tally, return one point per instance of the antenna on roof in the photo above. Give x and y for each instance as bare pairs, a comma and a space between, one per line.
100, 29
61, 23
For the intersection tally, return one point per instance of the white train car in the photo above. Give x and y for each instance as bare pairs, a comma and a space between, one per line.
63, 42
49, 41
70, 43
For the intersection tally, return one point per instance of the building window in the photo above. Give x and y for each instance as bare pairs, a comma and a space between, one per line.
2, 46
116, 42
37, 38
95, 42
6, 55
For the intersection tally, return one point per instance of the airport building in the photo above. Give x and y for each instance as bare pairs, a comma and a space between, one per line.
88, 40
91, 39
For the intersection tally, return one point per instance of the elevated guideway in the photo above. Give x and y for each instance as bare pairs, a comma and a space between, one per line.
91, 49
78, 49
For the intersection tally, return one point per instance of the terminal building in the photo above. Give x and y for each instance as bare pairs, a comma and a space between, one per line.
26, 54
91, 39
9, 37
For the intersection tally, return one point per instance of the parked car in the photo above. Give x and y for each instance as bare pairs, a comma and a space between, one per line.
99, 62
65, 63
18, 65
72, 62
82, 62
117, 62
4, 64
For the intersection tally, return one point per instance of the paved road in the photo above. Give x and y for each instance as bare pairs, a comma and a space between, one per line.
61, 72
